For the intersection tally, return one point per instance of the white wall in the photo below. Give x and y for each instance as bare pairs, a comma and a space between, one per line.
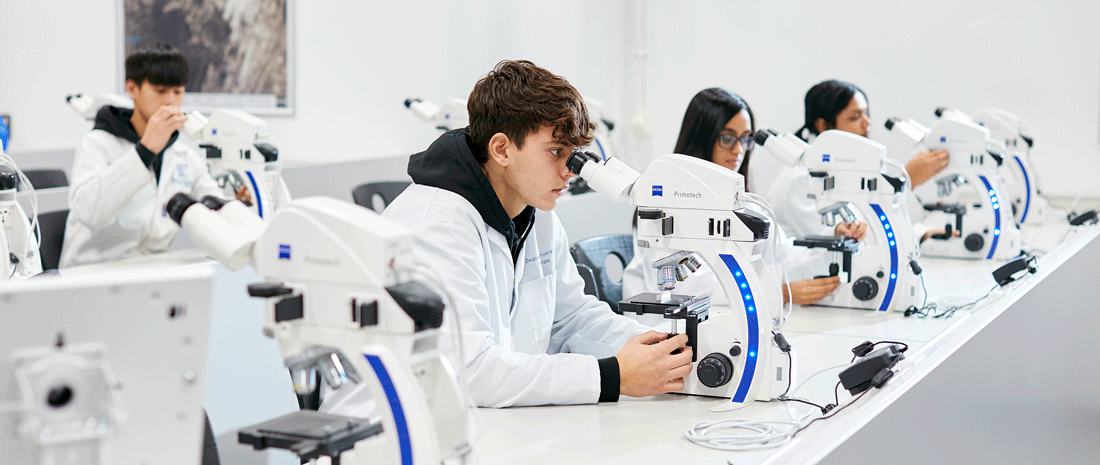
357, 61
1035, 58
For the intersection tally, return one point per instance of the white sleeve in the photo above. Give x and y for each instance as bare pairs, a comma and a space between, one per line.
795, 212
583, 323
496, 375
101, 187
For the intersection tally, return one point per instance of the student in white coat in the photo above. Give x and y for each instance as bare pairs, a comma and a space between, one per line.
838, 105
718, 126
130, 164
480, 210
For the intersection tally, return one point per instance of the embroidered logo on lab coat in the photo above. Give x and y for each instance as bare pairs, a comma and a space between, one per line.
180, 176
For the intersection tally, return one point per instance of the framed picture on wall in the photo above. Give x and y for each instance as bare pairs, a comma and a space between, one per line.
238, 51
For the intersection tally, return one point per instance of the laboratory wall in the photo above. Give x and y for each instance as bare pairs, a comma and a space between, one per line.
354, 63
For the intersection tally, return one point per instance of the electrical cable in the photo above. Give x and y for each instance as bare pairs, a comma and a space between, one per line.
930, 309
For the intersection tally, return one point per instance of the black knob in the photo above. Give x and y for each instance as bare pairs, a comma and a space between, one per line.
59, 396
865, 288
578, 159
974, 242
714, 370
735, 351
880, 274
177, 205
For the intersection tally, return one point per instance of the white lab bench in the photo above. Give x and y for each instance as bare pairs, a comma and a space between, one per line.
1010, 380
995, 383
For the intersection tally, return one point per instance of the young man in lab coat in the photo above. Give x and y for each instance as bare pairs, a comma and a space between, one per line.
131, 164
480, 210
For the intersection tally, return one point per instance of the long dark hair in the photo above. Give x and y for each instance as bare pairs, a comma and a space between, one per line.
826, 100
704, 119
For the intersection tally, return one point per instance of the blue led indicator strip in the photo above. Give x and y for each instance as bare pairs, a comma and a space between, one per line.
893, 243
1027, 185
753, 327
395, 407
259, 202
996, 215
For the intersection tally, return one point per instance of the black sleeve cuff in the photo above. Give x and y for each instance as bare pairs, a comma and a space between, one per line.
147, 156
609, 379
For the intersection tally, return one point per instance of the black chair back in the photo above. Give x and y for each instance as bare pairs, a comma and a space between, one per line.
377, 195
593, 253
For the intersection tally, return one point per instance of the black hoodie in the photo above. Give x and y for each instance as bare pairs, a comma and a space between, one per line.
116, 121
449, 164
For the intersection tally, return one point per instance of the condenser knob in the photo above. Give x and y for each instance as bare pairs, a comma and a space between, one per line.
714, 370
865, 288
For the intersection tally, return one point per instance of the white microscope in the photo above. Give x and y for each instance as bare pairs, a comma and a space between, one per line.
970, 191
849, 181
1025, 190
241, 158
340, 301
690, 205
19, 258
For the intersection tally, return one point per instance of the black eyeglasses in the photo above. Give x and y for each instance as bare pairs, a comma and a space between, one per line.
727, 141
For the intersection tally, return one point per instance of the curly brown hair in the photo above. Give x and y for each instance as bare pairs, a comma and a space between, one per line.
517, 98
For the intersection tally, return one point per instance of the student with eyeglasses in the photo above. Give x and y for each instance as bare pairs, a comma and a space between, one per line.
718, 127
842, 106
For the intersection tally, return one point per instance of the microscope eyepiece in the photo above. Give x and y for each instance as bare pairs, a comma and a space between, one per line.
213, 203
762, 136
890, 123
178, 204
578, 159
939, 111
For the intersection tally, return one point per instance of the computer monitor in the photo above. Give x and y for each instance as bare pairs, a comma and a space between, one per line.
104, 368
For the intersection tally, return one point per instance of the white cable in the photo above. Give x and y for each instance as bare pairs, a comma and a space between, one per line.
755, 434
778, 275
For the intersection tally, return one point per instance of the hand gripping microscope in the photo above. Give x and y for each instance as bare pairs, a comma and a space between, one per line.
970, 188
1024, 188
240, 158
340, 301
848, 181
690, 205
19, 257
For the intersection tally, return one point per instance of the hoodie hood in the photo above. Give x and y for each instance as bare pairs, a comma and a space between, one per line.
116, 121
449, 164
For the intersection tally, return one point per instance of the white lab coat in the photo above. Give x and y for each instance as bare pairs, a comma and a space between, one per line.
640, 276
116, 207
531, 335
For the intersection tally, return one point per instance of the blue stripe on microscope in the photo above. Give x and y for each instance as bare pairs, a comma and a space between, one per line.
893, 243
256, 189
399, 420
996, 215
753, 351
1027, 185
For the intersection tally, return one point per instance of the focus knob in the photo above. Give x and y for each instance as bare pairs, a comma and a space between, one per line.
974, 242
865, 288
714, 370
